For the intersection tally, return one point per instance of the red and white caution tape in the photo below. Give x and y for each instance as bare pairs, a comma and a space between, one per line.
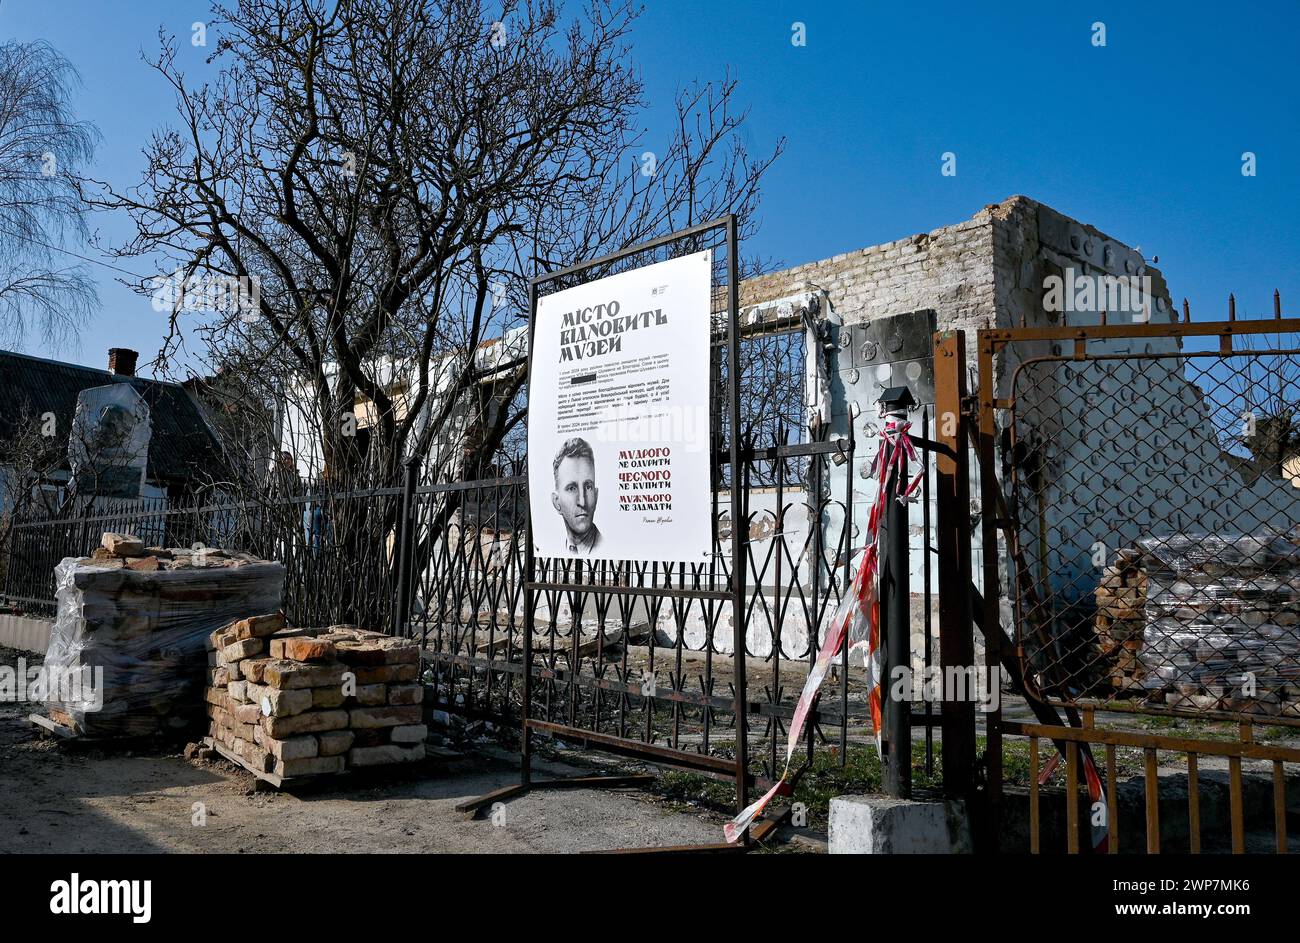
1100, 828
856, 622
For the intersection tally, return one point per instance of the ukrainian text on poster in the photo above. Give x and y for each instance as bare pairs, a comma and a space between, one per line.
618, 416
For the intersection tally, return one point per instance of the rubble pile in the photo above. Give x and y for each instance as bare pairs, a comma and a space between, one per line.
1222, 622
134, 620
290, 703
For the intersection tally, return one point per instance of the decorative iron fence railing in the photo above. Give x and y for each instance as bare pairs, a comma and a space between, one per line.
338, 548
637, 657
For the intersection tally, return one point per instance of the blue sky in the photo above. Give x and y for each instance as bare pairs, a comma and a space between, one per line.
1142, 138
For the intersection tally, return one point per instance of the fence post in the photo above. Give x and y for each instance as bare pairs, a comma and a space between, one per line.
953, 537
992, 616
405, 554
895, 608
739, 524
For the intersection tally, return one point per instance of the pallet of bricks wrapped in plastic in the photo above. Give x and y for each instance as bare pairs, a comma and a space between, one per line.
1222, 623
291, 704
138, 618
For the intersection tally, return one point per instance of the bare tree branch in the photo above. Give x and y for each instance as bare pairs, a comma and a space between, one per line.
42, 148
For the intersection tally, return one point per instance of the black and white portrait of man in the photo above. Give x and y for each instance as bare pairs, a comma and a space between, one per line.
575, 495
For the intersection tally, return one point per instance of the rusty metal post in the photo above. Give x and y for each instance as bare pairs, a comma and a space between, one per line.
895, 610
992, 617
953, 539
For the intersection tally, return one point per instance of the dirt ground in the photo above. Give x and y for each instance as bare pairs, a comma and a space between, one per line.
56, 798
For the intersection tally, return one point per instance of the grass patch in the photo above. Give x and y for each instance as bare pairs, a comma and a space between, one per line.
859, 773
1219, 730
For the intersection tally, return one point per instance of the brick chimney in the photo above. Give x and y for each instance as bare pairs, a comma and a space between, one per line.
121, 361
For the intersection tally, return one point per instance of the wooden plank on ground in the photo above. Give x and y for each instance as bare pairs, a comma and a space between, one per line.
232, 756
473, 806
52, 726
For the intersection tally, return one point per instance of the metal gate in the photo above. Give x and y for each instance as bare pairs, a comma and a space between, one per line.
1141, 523
694, 666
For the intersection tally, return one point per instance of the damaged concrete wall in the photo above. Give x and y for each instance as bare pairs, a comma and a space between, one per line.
1120, 449
882, 302
887, 300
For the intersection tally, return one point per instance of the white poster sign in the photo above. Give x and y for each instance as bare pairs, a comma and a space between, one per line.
618, 416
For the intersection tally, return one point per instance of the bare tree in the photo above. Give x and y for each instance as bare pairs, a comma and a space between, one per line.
389, 174
392, 172
42, 148
1255, 403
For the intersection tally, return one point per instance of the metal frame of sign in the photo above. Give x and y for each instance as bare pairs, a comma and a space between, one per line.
734, 592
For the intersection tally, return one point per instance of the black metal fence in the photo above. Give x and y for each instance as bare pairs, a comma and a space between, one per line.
338, 547
698, 665
614, 656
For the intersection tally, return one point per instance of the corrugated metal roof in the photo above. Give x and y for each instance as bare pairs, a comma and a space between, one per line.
181, 446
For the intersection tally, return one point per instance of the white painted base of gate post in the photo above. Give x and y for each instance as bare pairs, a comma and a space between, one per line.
879, 825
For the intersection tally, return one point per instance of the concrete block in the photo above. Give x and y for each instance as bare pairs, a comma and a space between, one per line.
880, 825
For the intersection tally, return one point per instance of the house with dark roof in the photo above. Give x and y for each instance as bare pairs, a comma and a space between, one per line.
183, 453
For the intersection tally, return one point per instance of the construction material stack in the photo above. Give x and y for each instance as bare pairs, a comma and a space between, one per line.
297, 703
1222, 622
1121, 620
134, 620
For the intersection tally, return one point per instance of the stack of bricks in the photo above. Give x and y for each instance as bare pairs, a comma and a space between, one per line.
289, 703
1121, 601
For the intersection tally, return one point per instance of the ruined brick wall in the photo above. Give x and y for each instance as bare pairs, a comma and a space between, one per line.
950, 270
990, 271
1121, 449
